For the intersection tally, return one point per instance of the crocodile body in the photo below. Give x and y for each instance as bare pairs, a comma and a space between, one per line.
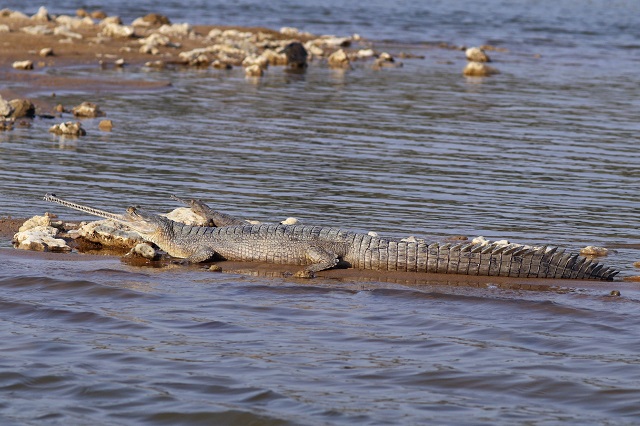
319, 248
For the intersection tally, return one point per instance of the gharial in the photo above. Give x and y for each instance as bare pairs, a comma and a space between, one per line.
319, 248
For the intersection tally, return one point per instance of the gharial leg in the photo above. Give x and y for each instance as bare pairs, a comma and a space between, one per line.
215, 218
321, 259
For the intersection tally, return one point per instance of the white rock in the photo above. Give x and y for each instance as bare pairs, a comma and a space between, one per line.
68, 128
476, 54
64, 31
290, 221
253, 71
4, 28
176, 30
594, 251
37, 30
480, 240
5, 108
110, 233
365, 53
261, 61
144, 250
42, 15
156, 39
289, 31
23, 65
34, 222
187, 216
40, 238
372, 234
339, 59
116, 30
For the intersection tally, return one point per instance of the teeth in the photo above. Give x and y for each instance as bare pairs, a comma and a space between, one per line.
86, 209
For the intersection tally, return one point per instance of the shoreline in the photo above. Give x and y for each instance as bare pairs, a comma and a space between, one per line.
62, 42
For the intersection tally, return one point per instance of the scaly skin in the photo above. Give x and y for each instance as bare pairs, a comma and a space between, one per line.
320, 248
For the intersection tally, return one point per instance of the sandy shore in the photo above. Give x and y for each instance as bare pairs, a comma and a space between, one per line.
75, 41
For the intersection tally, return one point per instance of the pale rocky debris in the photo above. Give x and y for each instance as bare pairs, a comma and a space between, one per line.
339, 59
23, 65
476, 54
87, 109
68, 128
144, 250
187, 216
110, 233
117, 30
594, 251
37, 30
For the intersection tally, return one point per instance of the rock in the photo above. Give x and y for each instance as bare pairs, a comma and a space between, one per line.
64, 31
594, 251
187, 216
144, 250
476, 54
372, 233
110, 233
4, 28
479, 69
37, 30
339, 59
82, 13
23, 65
290, 31
117, 30
365, 53
151, 20
69, 128
100, 15
88, 109
22, 108
40, 238
253, 71
42, 15
149, 50
218, 64
636, 264
5, 108
290, 221
120, 62
105, 125
34, 222
156, 39
47, 51
261, 61
12, 14
333, 41
215, 268
176, 30
296, 55
274, 57
385, 60
74, 22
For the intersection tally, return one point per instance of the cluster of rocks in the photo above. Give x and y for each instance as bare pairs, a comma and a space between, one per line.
477, 65
156, 35
15, 109
23, 109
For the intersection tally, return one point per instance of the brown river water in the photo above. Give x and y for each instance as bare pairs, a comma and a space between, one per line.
547, 152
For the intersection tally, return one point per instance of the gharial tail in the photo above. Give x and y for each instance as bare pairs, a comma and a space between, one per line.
86, 209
